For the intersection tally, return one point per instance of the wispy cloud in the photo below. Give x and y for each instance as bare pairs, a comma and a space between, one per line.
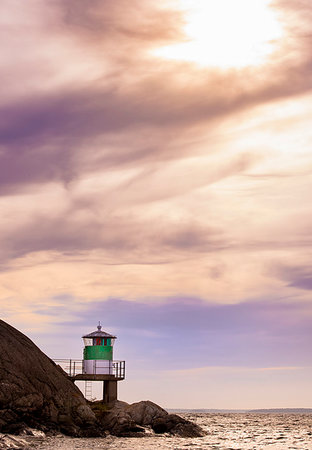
226, 369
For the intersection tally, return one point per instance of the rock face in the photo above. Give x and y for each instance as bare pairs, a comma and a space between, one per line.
35, 392
128, 420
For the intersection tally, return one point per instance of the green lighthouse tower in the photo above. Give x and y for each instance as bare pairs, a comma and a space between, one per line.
98, 363
98, 352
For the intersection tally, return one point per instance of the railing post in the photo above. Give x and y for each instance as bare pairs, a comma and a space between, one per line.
70, 361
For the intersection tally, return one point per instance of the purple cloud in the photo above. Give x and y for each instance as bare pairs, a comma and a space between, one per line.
193, 333
299, 276
45, 132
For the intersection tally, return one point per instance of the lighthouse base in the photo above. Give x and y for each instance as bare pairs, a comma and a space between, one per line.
109, 392
109, 385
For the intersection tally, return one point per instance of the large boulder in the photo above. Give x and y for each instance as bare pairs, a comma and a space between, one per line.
146, 412
116, 420
128, 420
35, 392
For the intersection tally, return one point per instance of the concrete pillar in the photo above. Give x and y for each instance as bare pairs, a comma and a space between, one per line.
109, 392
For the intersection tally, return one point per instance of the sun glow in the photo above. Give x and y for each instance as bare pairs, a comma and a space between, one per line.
225, 33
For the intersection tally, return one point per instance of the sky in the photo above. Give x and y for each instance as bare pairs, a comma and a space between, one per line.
156, 175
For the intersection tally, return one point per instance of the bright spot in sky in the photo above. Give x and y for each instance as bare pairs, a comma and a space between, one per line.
225, 33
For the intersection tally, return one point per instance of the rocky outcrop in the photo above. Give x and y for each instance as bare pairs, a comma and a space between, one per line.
128, 420
35, 392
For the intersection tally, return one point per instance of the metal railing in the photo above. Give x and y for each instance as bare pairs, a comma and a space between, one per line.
71, 366
75, 367
119, 369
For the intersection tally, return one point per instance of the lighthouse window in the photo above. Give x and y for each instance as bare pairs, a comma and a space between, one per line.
98, 341
105, 341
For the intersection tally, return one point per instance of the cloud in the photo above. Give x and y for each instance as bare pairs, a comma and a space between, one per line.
108, 110
225, 369
143, 21
45, 139
125, 238
298, 276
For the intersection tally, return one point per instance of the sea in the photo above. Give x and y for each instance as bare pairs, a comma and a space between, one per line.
224, 431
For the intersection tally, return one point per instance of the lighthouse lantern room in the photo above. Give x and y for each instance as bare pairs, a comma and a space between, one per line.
98, 352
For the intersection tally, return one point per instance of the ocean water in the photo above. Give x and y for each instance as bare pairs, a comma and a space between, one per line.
224, 432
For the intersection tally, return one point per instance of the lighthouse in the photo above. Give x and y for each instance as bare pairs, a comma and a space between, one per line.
97, 365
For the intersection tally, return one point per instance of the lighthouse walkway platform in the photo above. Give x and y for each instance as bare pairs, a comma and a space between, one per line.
100, 372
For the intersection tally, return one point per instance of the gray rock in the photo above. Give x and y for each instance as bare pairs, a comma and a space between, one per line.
37, 393
128, 420
117, 421
13, 442
144, 413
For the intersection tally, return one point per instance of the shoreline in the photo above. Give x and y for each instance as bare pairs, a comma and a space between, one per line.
229, 430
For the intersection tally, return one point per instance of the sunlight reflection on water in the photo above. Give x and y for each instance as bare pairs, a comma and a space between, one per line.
224, 432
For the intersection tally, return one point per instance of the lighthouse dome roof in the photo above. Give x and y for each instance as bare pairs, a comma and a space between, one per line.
99, 333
